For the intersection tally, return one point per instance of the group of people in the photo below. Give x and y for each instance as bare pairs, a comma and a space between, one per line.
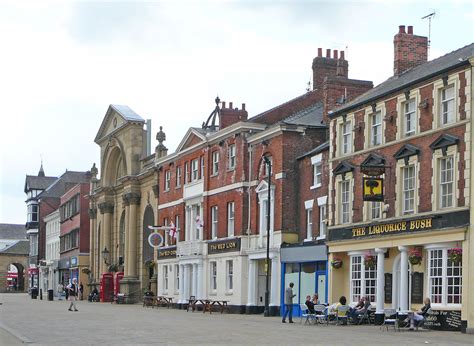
352, 313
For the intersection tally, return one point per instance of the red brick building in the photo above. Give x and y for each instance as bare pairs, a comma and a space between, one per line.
405, 146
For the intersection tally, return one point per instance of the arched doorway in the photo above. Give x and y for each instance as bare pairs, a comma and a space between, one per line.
15, 277
149, 271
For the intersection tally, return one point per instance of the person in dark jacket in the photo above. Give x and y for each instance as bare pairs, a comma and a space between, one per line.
309, 304
419, 316
73, 290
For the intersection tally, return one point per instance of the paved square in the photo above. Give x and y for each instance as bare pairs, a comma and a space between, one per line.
44, 322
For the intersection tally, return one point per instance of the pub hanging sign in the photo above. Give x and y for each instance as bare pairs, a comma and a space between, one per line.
372, 189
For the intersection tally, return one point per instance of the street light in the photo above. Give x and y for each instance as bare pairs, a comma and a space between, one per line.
105, 255
268, 162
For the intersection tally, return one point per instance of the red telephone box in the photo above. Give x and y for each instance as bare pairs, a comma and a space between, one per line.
106, 287
118, 278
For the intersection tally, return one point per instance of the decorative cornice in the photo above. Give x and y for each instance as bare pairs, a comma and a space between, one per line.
406, 152
443, 142
92, 213
155, 190
106, 208
131, 198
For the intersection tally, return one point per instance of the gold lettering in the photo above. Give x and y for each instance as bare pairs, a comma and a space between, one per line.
428, 223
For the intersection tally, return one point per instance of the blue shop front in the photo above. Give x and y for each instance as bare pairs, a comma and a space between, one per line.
306, 266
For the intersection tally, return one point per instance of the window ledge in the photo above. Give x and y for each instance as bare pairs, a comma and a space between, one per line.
214, 175
213, 293
321, 237
230, 169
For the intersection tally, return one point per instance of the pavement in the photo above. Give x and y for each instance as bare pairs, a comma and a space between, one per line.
42, 322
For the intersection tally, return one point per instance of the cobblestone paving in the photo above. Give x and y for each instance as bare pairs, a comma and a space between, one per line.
44, 322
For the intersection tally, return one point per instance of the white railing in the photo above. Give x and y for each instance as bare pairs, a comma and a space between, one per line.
193, 189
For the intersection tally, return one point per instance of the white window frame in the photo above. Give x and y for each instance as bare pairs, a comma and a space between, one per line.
445, 101
442, 276
345, 198
214, 221
376, 129
229, 276
362, 279
165, 279
410, 115
167, 180
231, 153
309, 223
346, 141
195, 170
408, 190
178, 176
230, 219
446, 182
322, 221
317, 174
215, 162
213, 276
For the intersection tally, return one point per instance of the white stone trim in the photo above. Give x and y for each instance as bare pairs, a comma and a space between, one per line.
322, 201
435, 195
399, 184
401, 100
380, 107
338, 180
316, 159
309, 204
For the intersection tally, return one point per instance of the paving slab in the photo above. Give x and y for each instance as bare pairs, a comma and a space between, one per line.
49, 323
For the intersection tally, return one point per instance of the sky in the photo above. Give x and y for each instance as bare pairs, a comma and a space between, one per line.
63, 62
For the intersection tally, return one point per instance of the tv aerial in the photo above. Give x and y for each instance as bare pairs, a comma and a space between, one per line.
429, 17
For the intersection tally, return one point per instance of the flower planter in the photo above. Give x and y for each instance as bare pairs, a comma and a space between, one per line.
415, 256
455, 255
337, 263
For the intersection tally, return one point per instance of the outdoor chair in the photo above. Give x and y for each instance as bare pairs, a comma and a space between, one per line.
364, 317
191, 301
390, 319
319, 314
341, 314
306, 314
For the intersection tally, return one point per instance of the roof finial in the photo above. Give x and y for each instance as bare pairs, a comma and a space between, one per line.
41, 171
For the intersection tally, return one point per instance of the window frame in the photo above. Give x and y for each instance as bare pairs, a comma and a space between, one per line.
442, 101
214, 221
213, 276
215, 162
443, 184
165, 279
406, 190
322, 221
342, 200
230, 219
376, 127
413, 118
231, 157
167, 180
229, 276
194, 174
317, 175
360, 282
178, 176
346, 139
309, 223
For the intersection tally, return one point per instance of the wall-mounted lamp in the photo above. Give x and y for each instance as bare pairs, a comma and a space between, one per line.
105, 255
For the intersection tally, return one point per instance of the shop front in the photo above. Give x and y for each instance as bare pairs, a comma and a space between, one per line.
398, 263
306, 266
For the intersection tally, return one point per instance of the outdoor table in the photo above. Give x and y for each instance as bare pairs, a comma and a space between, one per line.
148, 301
162, 300
221, 303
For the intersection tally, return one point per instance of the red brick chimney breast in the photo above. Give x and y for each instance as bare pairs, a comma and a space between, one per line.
409, 50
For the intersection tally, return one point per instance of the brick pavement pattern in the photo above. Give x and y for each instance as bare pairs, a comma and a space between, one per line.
44, 322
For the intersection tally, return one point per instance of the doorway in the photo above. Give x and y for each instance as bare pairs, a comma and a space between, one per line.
261, 282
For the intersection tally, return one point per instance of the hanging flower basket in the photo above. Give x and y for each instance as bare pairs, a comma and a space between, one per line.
336, 263
415, 256
455, 255
370, 261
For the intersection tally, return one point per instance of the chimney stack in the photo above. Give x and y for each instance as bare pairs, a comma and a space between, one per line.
409, 50
328, 53
329, 66
320, 52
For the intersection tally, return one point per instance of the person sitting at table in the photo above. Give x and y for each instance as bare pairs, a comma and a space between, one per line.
419, 316
362, 306
309, 304
315, 299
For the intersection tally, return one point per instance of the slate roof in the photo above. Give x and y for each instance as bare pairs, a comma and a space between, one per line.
64, 183
21, 247
311, 116
319, 149
127, 113
12, 231
38, 183
427, 70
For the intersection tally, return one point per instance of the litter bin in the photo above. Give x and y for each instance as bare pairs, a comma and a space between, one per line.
50, 295
34, 293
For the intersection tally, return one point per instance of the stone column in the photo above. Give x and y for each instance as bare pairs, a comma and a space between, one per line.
379, 314
92, 237
106, 208
200, 282
182, 298
134, 200
194, 291
186, 281
274, 301
251, 303
403, 278
126, 264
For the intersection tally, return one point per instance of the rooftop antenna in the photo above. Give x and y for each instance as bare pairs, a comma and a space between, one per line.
429, 17
308, 86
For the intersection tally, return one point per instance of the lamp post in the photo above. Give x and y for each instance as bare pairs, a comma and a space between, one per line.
266, 312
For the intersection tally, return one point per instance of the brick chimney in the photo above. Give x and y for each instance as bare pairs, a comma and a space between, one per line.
328, 66
409, 50
231, 115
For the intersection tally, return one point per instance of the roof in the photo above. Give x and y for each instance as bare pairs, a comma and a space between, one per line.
427, 70
38, 183
311, 116
21, 247
12, 231
64, 183
319, 149
127, 113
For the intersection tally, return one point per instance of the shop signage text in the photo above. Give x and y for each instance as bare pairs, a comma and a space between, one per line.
169, 252
408, 226
220, 246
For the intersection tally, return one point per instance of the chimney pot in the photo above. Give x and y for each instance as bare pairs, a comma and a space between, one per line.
401, 29
328, 53
230, 105
335, 52
320, 52
223, 104
410, 29
342, 55
243, 106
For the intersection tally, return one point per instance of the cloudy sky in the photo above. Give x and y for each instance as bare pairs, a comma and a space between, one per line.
63, 63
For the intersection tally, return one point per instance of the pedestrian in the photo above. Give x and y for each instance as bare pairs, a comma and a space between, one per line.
73, 293
289, 303
81, 290
60, 291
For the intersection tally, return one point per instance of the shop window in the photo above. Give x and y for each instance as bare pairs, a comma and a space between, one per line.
308, 280
363, 280
444, 278
230, 275
292, 274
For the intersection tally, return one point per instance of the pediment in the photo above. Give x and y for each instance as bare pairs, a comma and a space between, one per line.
192, 137
374, 160
406, 152
343, 168
116, 117
443, 142
262, 186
